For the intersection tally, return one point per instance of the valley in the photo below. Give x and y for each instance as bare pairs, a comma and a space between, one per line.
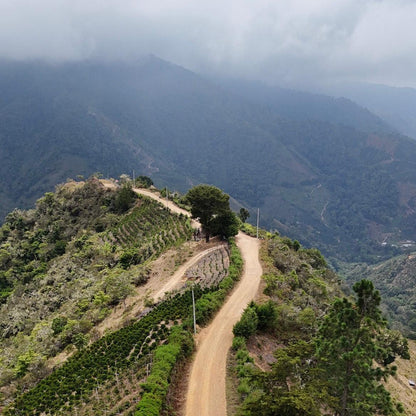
322, 170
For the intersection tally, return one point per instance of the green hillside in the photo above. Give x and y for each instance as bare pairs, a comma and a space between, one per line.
305, 349
324, 171
395, 278
66, 264
73, 340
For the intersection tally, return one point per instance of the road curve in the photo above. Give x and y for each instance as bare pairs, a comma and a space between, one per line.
178, 276
206, 388
169, 204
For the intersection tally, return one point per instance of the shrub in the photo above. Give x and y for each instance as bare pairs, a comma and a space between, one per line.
247, 325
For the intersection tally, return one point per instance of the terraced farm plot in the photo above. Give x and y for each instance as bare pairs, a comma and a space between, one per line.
211, 269
147, 231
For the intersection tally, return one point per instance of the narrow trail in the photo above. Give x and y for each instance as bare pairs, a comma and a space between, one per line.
206, 389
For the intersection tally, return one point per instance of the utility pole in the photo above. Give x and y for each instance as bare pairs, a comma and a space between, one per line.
258, 216
193, 308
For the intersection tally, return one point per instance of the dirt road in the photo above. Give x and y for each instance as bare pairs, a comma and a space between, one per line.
178, 276
169, 204
206, 389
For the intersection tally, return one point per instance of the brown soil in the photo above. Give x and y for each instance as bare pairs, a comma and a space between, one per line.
206, 391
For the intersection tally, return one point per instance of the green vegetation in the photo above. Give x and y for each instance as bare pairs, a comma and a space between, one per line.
349, 342
323, 171
143, 181
395, 278
243, 214
212, 207
180, 345
66, 264
156, 335
335, 353
208, 304
101, 361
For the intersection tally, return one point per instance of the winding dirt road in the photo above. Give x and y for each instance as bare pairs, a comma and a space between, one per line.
169, 204
206, 389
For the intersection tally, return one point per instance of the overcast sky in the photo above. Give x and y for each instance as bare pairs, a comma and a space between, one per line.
290, 42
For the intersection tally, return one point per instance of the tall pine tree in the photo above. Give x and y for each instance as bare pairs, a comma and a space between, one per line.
351, 354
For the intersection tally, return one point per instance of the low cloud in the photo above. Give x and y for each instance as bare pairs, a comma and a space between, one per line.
291, 43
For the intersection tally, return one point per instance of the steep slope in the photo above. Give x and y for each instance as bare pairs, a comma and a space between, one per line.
394, 104
66, 264
329, 173
280, 361
395, 278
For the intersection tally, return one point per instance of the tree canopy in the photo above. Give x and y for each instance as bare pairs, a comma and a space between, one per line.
351, 339
339, 372
211, 206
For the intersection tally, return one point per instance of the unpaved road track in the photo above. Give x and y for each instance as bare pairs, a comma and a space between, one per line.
178, 277
169, 204
206, 389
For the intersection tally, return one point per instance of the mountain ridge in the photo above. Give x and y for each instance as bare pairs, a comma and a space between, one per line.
159, 119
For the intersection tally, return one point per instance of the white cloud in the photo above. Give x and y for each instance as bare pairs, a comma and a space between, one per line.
296, 41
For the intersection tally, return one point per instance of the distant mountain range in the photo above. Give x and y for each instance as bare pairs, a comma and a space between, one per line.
395, 105
323, 170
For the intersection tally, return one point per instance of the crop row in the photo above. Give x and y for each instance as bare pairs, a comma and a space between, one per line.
73, 384
211, 269
146, 220
70, 384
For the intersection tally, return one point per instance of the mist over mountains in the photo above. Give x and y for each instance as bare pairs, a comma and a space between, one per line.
323, 170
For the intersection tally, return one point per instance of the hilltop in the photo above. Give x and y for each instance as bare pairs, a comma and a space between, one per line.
96, 313
71, 267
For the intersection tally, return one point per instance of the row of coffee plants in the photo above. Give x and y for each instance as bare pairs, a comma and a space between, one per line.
212, 301
71, 384
211, 269
146, 231
157, 385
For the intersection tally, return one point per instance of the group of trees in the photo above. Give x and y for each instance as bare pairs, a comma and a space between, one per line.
338, 372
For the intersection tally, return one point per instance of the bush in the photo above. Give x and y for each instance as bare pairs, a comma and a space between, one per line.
238, 343
157, 384
267, 315
247, 325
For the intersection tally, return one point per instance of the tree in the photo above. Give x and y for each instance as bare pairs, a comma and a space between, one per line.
348, 345
247, 325
124, 198
294, 387
212, 207
225, 224
340, 372
143, 181
243, 214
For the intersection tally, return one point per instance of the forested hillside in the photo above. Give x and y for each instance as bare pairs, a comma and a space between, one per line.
395, 279
324, 171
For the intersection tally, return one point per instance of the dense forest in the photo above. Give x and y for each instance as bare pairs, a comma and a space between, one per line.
322, 170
